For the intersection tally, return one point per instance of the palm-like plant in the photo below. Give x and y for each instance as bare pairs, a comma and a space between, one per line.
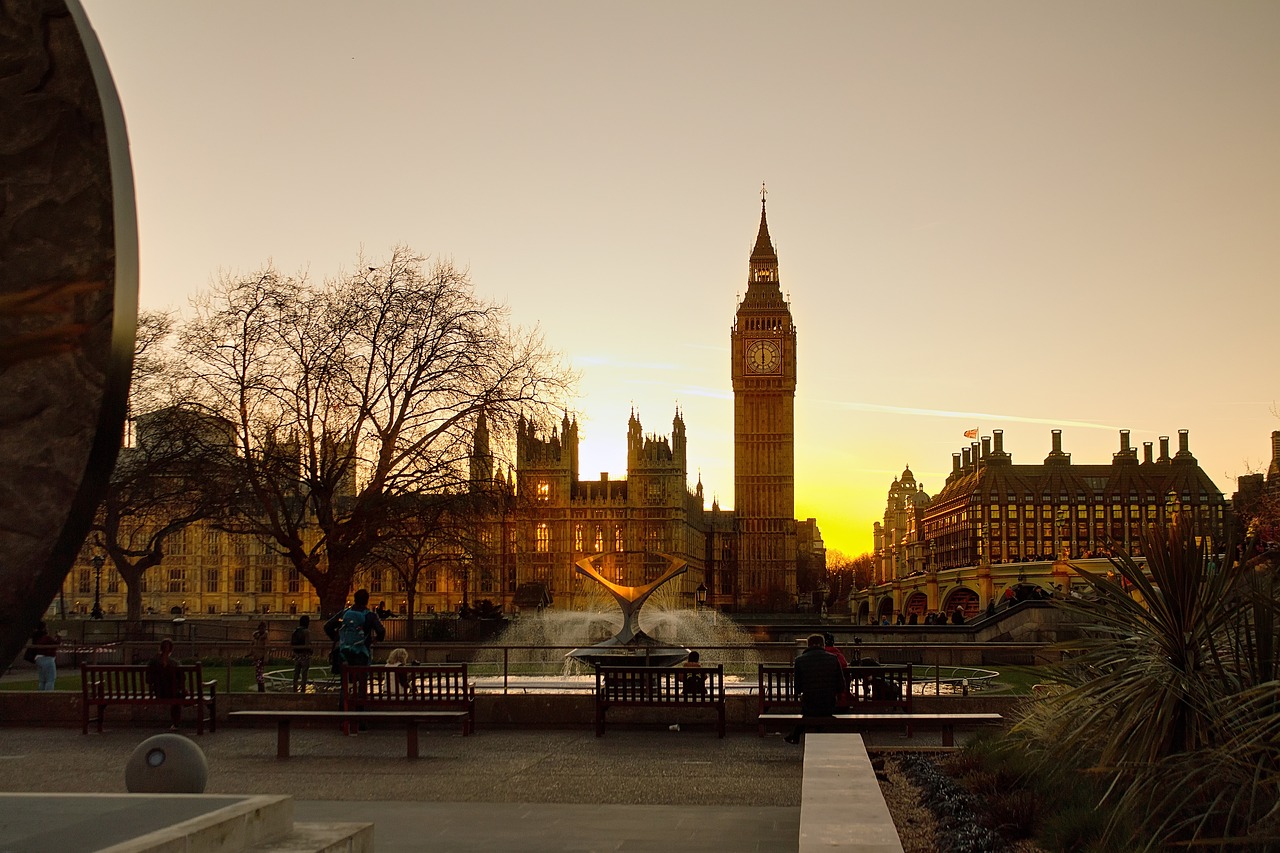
1171, 690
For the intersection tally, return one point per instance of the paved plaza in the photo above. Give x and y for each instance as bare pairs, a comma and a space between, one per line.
640, 789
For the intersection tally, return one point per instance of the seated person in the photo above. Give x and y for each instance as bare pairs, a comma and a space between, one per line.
165, 680
695, 684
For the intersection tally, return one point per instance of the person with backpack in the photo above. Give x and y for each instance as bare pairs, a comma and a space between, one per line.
355, 630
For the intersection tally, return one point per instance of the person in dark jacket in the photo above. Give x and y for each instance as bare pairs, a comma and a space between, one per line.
819, 681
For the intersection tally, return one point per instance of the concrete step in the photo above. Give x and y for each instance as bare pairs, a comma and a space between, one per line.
320, 838
242, 823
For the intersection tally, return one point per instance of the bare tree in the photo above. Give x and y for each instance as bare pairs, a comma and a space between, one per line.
845, 574
351, 393
161, 482
431, 531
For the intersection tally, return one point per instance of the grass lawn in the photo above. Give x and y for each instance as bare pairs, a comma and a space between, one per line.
242, 677
1018, 680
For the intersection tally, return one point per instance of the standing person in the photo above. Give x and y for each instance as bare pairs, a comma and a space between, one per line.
356, 629
165, 680
44, 654
957, 617
819, 681
258, 651
302, 651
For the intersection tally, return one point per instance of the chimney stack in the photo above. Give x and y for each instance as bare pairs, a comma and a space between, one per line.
1164, 449
1184, 443
964, 451
998, 435
1057, 442
955, 463
1124, 440
1146, 453
986, 447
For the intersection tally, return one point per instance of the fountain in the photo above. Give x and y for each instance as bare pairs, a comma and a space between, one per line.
529, 655
630, 644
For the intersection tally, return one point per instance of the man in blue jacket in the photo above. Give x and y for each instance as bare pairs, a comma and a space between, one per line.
355, 630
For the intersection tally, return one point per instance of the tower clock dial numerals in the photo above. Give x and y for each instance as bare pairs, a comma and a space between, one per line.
763, 357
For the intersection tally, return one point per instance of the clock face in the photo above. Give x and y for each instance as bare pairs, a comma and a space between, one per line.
763, 357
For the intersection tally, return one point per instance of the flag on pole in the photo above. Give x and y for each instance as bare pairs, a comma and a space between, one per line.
971, 433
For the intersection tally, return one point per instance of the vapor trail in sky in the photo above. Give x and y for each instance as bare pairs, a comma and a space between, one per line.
979, 417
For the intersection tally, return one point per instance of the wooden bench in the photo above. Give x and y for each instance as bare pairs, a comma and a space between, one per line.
659, 687
883, 689
126, 684
946, 723
282, 719
426, 687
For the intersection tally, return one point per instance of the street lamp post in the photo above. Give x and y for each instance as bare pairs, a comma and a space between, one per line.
96, 613
700, 602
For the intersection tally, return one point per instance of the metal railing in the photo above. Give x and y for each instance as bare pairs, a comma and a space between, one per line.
940, 663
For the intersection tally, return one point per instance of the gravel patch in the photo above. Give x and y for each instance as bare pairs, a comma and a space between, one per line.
916, 824
918, 827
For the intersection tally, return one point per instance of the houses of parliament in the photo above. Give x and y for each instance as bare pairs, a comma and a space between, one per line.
548, 517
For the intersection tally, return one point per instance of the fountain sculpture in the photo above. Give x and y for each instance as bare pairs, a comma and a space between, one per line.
630, 645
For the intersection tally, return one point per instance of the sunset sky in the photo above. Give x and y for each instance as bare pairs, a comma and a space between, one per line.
1015, 215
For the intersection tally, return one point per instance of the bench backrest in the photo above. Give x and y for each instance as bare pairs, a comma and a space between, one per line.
660, 685
407, 685
870, 687
123, 682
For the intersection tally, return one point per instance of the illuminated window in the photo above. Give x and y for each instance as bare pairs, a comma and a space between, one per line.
544, 490
542, 539
599, 539
577, 537
617, 538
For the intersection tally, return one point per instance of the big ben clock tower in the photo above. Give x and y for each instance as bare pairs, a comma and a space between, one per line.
763, 352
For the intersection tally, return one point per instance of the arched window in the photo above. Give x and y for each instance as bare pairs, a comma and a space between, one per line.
617, 538
577, 537
542, 539
599, 539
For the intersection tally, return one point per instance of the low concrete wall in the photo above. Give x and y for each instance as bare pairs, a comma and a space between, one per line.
841, 805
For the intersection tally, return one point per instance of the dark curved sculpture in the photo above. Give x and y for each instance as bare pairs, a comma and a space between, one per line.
68, 298
630, 645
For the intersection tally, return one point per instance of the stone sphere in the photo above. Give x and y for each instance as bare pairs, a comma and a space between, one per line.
166, 764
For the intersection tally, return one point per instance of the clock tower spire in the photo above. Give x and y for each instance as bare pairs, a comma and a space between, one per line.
763, 368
